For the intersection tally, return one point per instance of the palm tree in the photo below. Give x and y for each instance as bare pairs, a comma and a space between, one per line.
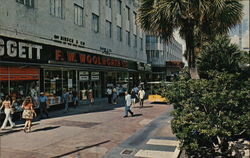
197, 21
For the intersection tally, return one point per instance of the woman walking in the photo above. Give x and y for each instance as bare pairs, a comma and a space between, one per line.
28, 114
133, 98
7, 110
91, 96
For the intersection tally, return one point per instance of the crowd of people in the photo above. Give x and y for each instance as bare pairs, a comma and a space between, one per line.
29, 113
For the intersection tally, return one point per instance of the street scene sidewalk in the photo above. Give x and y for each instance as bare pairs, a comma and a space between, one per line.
95, 131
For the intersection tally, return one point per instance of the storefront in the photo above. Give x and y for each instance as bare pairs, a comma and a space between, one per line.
28, 68
173, 69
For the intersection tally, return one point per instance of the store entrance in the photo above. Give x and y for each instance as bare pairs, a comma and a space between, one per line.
87, 85
96, 87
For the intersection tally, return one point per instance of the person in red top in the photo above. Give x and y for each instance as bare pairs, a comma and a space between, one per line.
28, 113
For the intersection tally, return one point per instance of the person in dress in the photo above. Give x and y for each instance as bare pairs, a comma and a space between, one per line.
6, 104
91, 96
28, 113
114, 96
133, 97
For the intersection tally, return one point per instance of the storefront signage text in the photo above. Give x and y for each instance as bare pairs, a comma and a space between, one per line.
83, 75
68, 40
88, 59
105, 50
14, 49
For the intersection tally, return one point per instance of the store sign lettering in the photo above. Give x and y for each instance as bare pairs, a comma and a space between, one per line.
88, 59
22, 50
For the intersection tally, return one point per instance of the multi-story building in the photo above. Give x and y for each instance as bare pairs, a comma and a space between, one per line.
165, 58
53, 45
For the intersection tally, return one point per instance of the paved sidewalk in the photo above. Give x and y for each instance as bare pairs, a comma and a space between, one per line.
155, 140
89, 131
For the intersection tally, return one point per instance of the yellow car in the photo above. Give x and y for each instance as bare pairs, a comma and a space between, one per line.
153, 96
156, 98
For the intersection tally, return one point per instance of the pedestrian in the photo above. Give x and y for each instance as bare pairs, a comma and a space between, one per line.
7, 110
43, 105
91, 96
109, 93
127, 105
133, 97
75, 98
66, 100
141, 95
28, 114
114, 96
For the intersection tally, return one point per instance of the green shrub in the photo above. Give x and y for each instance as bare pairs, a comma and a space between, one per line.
210, 113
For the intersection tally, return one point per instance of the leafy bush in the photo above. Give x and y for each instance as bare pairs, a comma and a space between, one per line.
210, 113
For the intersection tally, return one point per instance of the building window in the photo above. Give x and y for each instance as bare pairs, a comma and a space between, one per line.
119, 6
135, 17
119, 33
128, 37
128, 12
78, 15
28, 3
108, 3
135, 41
141, 43
95, 23
56, 8
108, 29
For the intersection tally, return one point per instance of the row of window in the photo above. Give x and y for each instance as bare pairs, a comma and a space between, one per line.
56, 9
160, 54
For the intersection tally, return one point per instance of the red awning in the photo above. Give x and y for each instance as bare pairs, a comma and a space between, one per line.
18, 74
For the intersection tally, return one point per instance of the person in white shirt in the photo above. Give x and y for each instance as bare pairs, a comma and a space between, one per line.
127, 105
109, 93
141, 95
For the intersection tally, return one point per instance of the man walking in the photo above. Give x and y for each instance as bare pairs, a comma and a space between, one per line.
127, 105
66, 100
109, 93
141, 95
43, 105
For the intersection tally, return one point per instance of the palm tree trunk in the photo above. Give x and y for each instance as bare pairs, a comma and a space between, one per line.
191, 55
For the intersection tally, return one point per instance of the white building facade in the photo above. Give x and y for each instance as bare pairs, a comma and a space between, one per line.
165, 58
56, 45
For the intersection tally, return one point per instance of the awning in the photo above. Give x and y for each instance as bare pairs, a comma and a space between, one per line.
19, 73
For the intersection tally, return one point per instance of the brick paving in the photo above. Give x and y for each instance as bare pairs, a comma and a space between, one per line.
87, 131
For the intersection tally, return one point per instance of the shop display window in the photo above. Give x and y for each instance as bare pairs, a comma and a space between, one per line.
53, 86
56, 81
19, 82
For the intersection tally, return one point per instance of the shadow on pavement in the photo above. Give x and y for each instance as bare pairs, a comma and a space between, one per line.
46, 128
81, 148
10, 132
143, 107
137, 115
15, 129
165, 103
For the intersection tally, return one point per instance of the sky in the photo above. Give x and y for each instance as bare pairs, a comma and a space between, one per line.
234, 33
245, 28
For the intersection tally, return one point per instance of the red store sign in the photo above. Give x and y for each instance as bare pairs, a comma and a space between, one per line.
86, 58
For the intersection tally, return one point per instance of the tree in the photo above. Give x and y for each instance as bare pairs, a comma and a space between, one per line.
220, 55
210, 113
196, 20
